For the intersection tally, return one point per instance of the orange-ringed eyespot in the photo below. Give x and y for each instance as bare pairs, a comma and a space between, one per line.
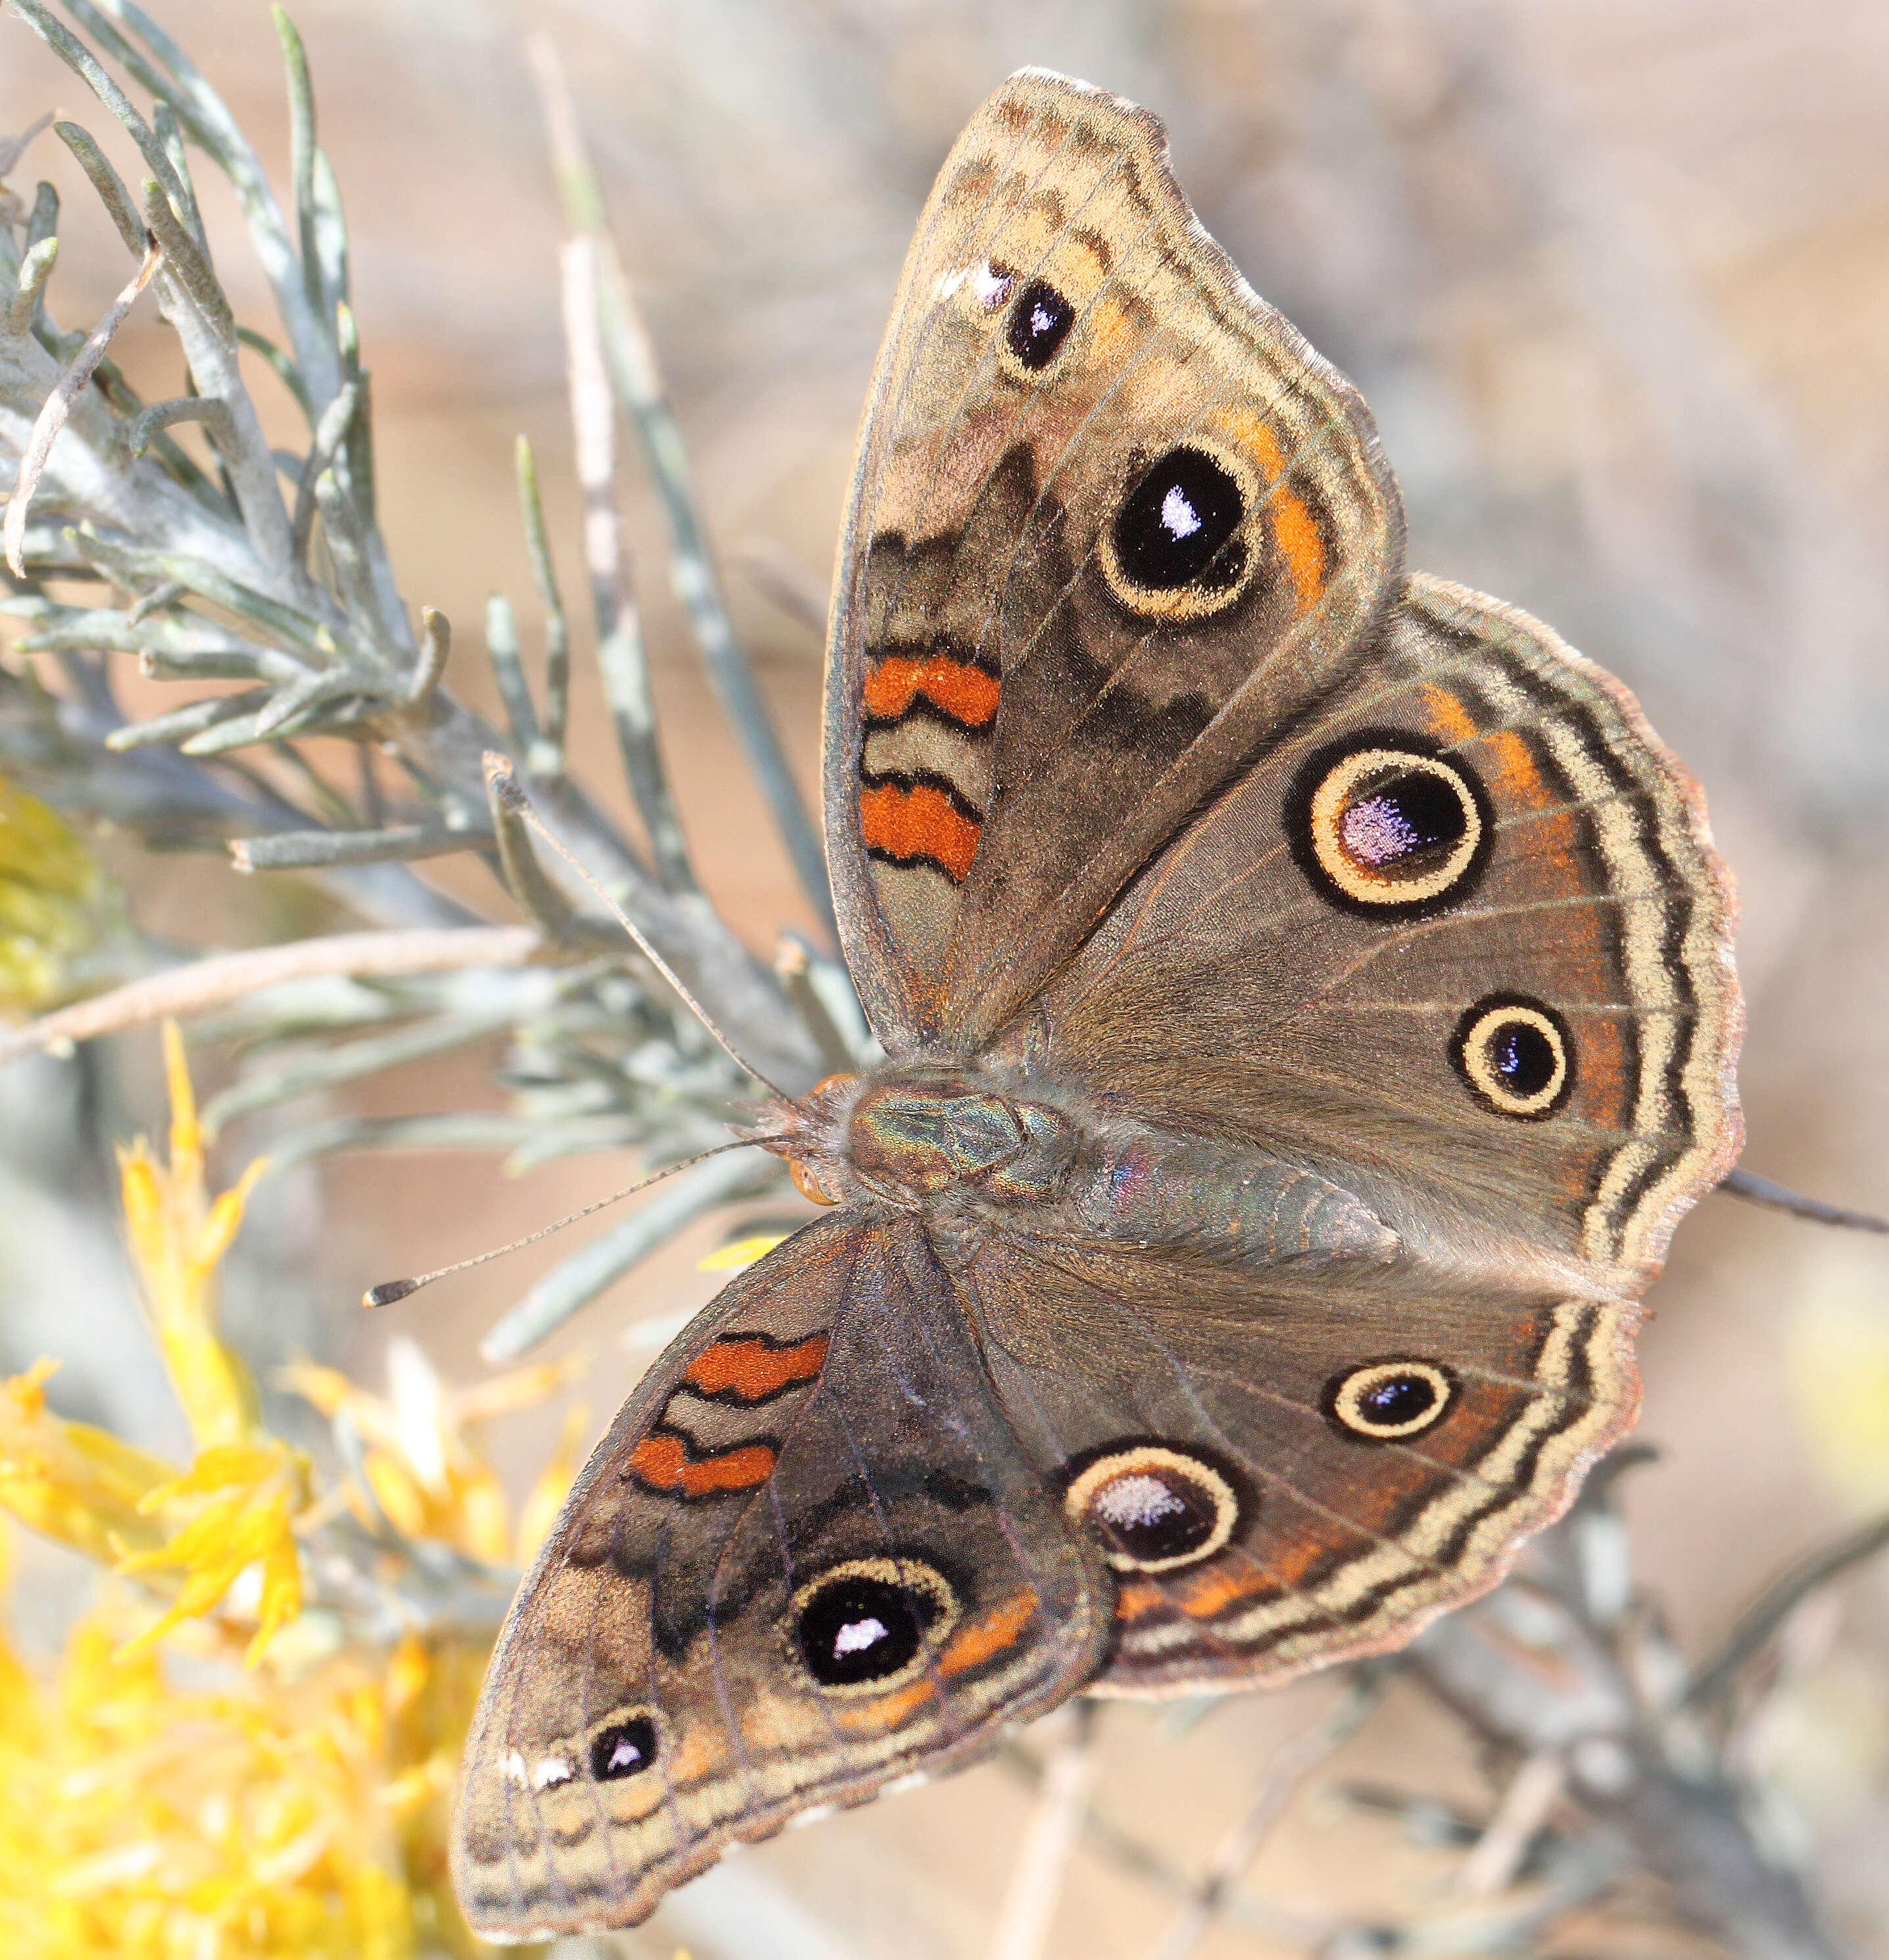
868, 1624
1386, 1401
1153, 1508
1515, 1055
1384, 826
1175, 548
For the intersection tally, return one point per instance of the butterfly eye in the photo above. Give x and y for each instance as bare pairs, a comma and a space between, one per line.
624, 1747
1387, 829
1389, 1399
1515, 1055
867, 1624
1153, 1508
1039, 322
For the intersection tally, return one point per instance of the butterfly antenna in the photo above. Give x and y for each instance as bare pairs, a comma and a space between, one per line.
1756, 1190
388, 1291
505, 786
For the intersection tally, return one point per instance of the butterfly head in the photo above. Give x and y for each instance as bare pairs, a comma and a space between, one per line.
911, 1134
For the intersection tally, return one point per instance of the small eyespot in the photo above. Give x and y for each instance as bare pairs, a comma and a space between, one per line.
1153, 1508
867, 1624
1515, 1055
1390, 1399
1387, 829
1039, 322
623, 1746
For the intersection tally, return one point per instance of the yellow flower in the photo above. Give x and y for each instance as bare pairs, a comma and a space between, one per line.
254, 1492
178, 1236
245, 1819
299, 1804
422, 1458
74, 1483
742, 1254
52, 902
236, 1507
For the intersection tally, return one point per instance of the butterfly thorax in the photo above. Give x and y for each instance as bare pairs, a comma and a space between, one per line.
958, 1143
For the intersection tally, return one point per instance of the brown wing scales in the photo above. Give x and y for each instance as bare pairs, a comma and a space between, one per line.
1118, 513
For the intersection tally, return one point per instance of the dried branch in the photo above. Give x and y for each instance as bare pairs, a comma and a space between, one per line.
1288, 1770
633, 375
1049, 1840
216, 980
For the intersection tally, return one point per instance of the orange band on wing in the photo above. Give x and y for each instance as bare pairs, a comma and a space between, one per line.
750, 1368
663, 1461
1205, 1594
1447, 715
989, 1633
920, 822
1296, 533
1135, 1599
964, 692
1517, 780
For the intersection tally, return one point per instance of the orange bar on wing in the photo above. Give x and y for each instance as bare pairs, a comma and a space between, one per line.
664, 1461
1135, 1599
749, 1368
989, 1633
1210, 1592
964, 692
1296, 534
918, 823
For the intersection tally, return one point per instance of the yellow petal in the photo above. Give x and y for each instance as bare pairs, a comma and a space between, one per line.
187, 1136
742, 1253
226, 1216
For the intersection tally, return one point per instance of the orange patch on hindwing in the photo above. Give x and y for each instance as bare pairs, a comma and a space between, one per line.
920, 821
963, 691
750, 1368
1513, 773
989, 1633
1448, 716
662, 1460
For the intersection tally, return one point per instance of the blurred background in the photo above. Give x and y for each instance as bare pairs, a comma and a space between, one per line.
1614, 276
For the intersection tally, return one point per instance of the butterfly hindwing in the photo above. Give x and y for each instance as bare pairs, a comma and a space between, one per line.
808, 1558
1113, 519
1452, 962
1292, 1467
1461, 943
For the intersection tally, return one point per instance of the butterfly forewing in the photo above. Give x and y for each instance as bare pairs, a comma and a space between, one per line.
808, 1558
1113, 520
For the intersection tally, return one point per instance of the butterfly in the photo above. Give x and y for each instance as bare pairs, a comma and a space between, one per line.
1308, 1004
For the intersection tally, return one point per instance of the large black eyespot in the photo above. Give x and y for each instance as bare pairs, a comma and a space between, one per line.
867, 1623
1384, 826
1516, 1055
623, 1748
1153, 1508
1389, 1399
1039, 321
1173, 524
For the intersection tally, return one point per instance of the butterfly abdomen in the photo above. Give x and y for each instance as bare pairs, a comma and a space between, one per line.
1236, 1206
